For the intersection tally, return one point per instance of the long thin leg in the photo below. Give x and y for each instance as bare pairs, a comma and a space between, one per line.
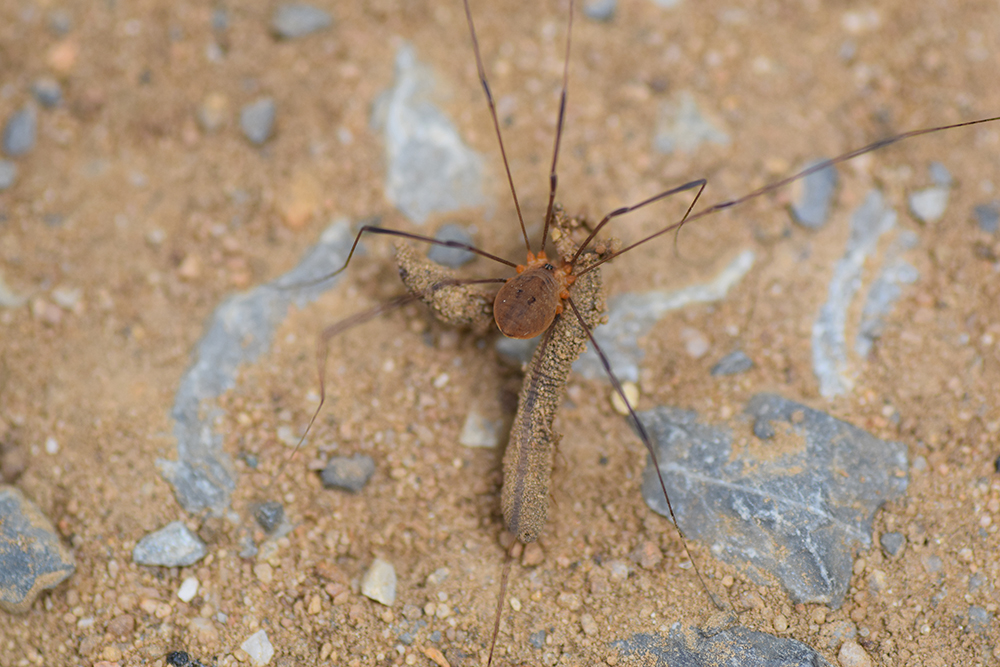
700, 184
647, 441
496, 123
374, 229
553, 177
819, 166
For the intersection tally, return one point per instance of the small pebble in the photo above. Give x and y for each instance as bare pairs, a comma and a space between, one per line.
213, 112
940, 174
379, 582
259, 648
537, 639
174, 545
980, 619
178, 659
8, 174
479, 431
257, 120
988, 217
205, 632
852, 655
929, 204
19, 133
269, 515
780, 623
51, 445
121, 625
451, 257
815, 192
47, 91
734, 363
349, 474
299, 20
264, 573
695, 342
631, 391
188, 589
600, 10
588, 624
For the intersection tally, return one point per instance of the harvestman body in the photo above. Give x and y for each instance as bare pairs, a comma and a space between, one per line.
559, 299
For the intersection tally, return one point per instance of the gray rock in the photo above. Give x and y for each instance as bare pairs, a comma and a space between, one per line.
269, 515
632, 315
350, 474
892, 543
32, 558
237, 333
829, 339
980, 620
812, 207
174, 545
257, 120
940, 174
451, 257
683, 128
299, 20
929, 204
734, 363
689, 646
429, 169
600, 10
537, 639
47, 91
19, 133
885, 292
8, 174
988, 217
798, 515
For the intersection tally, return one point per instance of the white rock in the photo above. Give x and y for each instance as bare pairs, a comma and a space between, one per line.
259, 648
188, 589
379, 582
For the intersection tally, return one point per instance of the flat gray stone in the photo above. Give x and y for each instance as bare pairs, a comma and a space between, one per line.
734, 363
237, 333
8, 174
988, 217
298, 20
929, 204
174, 545
430, 170
600, 10
885, 291
683, 127
20, 131
689, 646
451, 257
632, 315
892, 543
349, 474
257, 120
812, 206
32, 558
829, 338
797, 514
47, 91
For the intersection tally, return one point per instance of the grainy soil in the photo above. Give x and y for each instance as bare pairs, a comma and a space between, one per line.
154, 219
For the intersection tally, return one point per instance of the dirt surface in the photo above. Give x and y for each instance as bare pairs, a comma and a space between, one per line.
128, 199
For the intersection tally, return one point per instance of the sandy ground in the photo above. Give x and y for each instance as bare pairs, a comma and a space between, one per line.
154, 220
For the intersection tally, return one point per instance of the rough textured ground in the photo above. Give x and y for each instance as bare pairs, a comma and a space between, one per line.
127, 199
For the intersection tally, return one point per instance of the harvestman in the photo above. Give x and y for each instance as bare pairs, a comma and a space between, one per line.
560, 299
